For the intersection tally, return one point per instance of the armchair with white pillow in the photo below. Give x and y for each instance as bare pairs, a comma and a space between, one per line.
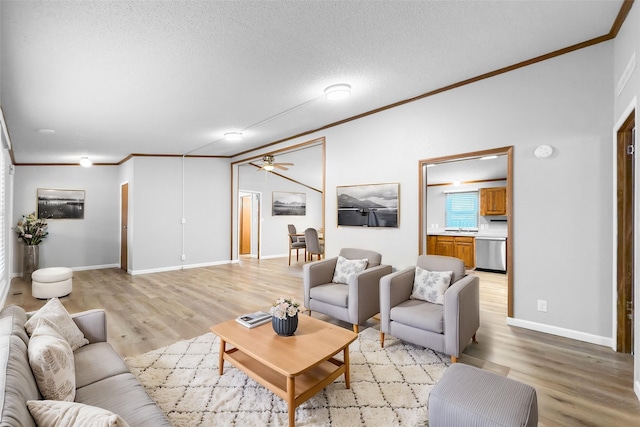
345, 287
434, 304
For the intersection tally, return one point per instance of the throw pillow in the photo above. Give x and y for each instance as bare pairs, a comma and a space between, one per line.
430, 286
347, 267
54, 313
52, 363
52, 413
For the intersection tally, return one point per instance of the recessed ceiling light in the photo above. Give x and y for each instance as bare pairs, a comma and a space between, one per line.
85, 162
233, 136
46, 131
338, 91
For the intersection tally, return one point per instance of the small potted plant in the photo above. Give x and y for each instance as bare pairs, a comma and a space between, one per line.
284, 316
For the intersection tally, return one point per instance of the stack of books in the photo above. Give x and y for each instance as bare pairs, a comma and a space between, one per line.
252, 320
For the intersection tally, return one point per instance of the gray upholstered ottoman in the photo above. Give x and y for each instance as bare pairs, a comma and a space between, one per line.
468, 396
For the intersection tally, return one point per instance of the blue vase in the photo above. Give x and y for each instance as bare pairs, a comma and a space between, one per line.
285, 327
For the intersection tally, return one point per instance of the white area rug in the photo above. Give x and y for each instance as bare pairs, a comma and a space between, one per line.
389, 386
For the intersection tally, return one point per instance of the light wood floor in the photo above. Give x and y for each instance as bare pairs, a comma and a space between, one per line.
578, 384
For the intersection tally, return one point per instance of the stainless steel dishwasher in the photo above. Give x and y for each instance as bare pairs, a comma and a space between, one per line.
491, 253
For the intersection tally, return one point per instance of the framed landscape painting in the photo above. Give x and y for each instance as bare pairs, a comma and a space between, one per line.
285, 203
373, 205
60, 204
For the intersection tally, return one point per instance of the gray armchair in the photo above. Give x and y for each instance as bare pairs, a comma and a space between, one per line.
445, 328
353, 302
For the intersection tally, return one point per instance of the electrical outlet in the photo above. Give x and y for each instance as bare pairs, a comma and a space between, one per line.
183, 257
542, 305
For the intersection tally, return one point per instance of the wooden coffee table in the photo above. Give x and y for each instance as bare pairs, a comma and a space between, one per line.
294, 368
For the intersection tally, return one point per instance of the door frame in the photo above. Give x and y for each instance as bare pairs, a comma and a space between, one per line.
422, 203
625, 234
124, 226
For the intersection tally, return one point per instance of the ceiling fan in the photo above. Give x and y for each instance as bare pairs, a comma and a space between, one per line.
269, 163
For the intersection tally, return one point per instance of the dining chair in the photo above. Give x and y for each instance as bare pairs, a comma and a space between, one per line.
314, 247
296, 242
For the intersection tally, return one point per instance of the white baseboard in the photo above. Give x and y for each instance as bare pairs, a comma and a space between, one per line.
177, 267
82, 268
562, 332
273, 256
636, 388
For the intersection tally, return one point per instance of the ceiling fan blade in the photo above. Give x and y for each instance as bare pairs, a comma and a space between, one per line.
279, 166
285, 164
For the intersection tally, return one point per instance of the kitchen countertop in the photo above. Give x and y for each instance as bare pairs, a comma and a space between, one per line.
478, 234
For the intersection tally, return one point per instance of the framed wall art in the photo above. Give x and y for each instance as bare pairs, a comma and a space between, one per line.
60, 204
285, 203
373, 205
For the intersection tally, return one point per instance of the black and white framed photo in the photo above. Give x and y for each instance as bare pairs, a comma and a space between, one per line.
60, 204
373, 205
285, 203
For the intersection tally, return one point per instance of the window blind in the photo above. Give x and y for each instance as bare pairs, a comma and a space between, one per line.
461, 209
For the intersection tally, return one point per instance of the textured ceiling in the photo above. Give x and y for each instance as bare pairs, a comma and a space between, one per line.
114, 78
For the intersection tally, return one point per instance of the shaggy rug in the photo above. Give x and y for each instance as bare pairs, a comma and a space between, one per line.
389, 386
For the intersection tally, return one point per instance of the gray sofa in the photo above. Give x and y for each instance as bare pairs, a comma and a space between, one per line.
102, 377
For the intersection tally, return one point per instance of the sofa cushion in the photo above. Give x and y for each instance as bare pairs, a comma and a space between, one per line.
345, 268
123, 395
419, 314
95, 362
17, 383
54, 313
54, 413
331, 293
430, 286
52, 363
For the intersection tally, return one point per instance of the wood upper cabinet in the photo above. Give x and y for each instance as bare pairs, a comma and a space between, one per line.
493, 201
462, 247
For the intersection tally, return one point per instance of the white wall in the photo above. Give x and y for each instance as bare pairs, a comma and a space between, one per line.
560, 254
92, 242
160, 199
627, 44
274, 228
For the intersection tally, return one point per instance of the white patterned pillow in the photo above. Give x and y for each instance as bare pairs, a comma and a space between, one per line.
54, 313
346, 267
52, 363
430, 286
53, 413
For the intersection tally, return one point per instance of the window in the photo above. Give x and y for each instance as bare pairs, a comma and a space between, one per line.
461, 209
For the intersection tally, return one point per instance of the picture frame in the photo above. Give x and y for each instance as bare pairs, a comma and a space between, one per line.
286, 203
370, 205
56, 203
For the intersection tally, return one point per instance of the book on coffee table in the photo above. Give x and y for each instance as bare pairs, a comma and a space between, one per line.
251, 320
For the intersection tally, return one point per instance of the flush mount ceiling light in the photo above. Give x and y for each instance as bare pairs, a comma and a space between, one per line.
47, 131
338, 91
268, 167
233, 136
85, 162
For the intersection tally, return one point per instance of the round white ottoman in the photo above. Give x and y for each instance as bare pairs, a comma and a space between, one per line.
51, 282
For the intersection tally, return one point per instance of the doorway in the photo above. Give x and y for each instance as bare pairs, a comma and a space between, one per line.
424, 166
625, 174
245, 225
124, 226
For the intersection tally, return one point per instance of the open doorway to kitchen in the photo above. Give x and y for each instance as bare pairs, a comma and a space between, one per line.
474, 163
625, 159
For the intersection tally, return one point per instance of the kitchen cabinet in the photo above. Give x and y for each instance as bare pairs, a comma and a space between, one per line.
493, 201
462, 247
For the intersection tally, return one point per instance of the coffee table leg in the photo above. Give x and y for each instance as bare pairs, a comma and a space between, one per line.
221, 356
291, 400
347, 375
